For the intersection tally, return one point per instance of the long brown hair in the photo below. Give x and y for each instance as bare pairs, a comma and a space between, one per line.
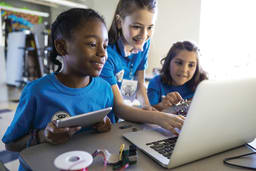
199, 74
125, 8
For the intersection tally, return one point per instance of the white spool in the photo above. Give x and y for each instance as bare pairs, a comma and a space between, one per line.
73, 160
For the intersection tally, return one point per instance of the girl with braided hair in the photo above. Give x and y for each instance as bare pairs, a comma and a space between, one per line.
80, 38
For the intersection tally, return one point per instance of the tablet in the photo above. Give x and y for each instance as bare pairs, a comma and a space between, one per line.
85, 119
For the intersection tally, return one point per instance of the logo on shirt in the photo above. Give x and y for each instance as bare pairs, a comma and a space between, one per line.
129, 87
119, 76
60, 115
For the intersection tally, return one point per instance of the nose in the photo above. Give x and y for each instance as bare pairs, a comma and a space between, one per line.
101, 52
144, 33
185, 68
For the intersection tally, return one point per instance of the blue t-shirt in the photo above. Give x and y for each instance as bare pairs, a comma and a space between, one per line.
117, 63
156, 89
44, 97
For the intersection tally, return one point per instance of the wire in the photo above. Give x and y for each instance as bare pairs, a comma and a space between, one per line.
226, 161
121, 151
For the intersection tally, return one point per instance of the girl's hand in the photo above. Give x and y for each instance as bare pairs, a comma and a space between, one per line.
104, 125
171, 121
170, 99
55, 135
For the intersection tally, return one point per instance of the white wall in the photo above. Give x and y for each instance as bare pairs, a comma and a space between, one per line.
105, 8
177, 20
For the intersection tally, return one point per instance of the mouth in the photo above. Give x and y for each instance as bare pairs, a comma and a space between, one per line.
98, 65
182, 76
139, 41
135, 50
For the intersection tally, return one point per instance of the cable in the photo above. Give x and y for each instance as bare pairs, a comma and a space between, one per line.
225, 161
121, 151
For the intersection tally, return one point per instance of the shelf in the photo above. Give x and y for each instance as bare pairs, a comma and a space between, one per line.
42, 14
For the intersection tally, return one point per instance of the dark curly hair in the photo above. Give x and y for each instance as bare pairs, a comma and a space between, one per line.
65, 23
125, 8
199, 74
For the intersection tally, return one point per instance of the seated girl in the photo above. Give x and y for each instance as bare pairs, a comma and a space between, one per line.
80, 37
179, 76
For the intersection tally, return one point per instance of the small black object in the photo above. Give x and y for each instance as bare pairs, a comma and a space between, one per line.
125, 126
5, 110
129, 157
134, 129
227, 161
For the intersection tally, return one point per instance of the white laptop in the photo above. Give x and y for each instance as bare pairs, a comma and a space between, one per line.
222, 116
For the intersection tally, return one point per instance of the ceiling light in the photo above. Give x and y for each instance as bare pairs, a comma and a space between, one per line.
42, 3
66, 3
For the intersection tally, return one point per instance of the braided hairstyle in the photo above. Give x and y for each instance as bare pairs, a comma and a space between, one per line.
199, 74
125, 8
66, 23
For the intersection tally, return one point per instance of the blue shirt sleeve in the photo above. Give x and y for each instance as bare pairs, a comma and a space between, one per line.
22, 121
107, 72
144, 63
154, 91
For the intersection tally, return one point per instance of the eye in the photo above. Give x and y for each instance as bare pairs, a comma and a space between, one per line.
191, 65
91, 44
150, 28
105, 46
178, 62
136, 26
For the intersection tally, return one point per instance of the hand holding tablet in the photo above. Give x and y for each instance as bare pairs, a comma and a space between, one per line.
85, 119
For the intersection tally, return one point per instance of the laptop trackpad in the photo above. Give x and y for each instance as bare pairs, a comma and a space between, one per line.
148, 134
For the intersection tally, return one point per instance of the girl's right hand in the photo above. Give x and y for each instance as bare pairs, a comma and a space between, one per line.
170, 99
103, 126
171, 121
55, 135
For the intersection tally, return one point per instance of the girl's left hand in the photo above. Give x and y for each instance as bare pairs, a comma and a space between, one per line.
103, 126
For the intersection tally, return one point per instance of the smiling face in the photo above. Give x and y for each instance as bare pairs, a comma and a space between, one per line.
137, 28
183, 67
86, 51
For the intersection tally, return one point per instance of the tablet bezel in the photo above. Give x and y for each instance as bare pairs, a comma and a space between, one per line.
84, 120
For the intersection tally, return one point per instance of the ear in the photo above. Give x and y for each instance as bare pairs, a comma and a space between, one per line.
60, 46
118, 21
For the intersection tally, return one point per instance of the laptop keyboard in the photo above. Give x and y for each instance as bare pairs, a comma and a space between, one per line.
164, 147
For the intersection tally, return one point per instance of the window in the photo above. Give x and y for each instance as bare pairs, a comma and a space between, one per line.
228, 38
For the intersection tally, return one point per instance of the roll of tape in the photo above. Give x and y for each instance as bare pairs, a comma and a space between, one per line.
73, 160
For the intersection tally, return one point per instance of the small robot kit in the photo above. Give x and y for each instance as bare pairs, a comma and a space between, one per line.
121, 161
180, 109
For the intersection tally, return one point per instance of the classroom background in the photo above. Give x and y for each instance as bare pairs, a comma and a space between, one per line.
223, 29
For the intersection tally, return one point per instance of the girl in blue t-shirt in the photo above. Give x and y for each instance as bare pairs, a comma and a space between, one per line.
80, 37
179, 76
129, 42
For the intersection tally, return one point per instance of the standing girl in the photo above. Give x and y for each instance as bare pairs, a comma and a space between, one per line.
179, 77
129, 42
